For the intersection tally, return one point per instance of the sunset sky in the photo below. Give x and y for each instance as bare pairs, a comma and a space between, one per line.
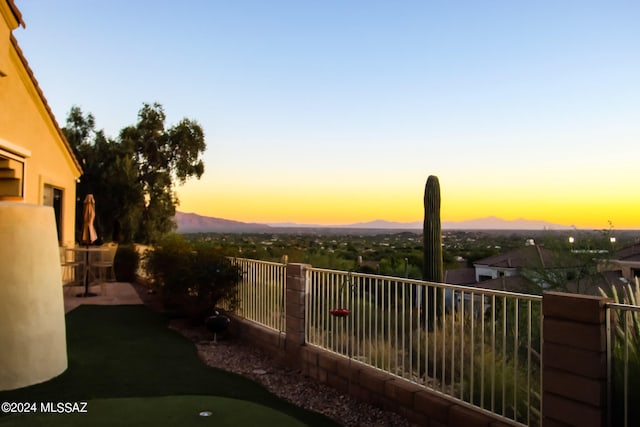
337, 111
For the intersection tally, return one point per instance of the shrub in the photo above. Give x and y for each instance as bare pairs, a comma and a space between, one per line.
215, 278
191, 280
125, 263
625, 356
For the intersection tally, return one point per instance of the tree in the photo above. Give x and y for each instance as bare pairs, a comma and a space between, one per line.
162, 158
575, 267
133, 177
109, 174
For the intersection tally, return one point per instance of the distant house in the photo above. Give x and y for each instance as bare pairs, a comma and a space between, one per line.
512, 263
37, 164
626, 261
518, 270
510, 284
503, 272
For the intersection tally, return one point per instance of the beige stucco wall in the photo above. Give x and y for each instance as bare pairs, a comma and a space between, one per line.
26, 123
32, 326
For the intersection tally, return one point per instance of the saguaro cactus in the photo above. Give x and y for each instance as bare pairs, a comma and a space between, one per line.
432, 270
432, 232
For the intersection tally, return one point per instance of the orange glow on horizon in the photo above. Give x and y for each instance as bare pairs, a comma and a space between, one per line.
324, 206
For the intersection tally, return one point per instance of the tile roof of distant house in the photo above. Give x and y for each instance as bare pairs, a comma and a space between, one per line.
605, 280
460, 276
630, 253
508, 283
587, 286
526, 256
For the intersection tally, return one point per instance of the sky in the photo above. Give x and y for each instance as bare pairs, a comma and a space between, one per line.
337, 111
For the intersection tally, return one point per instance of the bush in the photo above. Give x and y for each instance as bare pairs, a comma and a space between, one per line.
626, 354
125, 263
192, 280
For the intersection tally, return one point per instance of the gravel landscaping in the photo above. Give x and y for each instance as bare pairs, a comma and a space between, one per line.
236, 356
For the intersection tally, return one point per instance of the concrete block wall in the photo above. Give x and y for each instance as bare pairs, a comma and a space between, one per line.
267, 340
414, 402
575, 360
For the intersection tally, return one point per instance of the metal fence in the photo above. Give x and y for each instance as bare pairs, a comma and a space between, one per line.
261, 292
479, 347
482, 348
623, 363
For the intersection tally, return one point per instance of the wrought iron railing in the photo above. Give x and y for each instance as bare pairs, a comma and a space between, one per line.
480, 347
261, 292
477, 346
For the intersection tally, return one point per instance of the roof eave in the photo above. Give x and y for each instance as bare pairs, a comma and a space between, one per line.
16, 13
32, 77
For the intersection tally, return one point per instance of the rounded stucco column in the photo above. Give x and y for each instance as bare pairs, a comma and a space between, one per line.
32, 326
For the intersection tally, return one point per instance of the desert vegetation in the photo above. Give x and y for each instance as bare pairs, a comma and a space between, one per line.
398, 254
625, 352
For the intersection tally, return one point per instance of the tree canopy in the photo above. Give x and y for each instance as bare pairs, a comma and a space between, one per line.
133, 177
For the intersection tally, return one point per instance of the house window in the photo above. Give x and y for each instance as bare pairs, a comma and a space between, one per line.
13, 160
11, 176
53, 197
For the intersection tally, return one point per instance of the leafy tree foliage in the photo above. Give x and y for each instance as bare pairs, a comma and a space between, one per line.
133, 177
573, 267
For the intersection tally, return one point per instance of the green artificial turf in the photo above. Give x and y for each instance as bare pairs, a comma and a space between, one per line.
165, 411
127, 351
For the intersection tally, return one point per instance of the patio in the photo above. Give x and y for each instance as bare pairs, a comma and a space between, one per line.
117, 293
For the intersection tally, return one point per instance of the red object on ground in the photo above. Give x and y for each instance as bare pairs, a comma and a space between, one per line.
340, 312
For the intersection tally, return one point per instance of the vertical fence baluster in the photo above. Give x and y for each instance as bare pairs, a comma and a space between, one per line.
529, 350
482, 352
493, 353
445, 340
504, 355
387, 336
462, 338
435, 339
516, 347
472, 354
627, 320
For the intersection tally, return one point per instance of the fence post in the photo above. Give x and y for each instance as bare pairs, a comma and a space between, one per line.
296, 288
574, 361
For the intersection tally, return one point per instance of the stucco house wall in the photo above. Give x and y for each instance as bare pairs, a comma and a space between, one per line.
483, 271
30, 134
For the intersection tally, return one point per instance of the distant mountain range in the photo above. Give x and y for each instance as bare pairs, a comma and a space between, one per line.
194, 223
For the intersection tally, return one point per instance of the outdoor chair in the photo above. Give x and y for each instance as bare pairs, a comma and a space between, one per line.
72, 268
102, 265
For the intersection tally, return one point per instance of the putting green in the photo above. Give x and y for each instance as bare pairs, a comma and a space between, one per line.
160, 412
